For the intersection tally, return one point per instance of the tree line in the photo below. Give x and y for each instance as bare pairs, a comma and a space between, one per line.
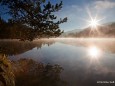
31, 19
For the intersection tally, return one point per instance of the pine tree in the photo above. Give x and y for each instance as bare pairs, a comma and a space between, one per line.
36, 14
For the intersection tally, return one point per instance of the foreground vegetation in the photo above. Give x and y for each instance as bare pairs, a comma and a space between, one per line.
6, 72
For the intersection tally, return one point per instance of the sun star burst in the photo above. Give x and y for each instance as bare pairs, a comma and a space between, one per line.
94, 23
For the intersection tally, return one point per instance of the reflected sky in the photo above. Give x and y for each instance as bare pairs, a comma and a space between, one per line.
84, 61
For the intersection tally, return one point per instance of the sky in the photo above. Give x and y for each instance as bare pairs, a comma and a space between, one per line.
78, 11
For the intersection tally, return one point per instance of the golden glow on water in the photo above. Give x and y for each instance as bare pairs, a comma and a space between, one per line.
94, 52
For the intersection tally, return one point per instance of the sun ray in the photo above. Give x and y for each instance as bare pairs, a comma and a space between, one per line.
94, 22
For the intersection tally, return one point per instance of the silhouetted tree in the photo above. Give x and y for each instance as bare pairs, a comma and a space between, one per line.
36, 14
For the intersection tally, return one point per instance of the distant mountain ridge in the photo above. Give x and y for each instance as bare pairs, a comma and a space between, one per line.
76, 30
107, 30
71, 32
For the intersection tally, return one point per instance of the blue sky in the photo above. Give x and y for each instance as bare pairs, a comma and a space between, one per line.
77, 12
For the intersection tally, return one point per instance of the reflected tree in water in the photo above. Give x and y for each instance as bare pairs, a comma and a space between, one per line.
31, 73
12, 47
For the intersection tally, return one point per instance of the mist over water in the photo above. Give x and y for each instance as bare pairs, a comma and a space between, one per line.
84, 61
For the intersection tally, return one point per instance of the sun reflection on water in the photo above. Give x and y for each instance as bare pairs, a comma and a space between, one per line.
94, 52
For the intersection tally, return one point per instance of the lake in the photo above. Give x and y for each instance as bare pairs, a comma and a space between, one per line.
62, 61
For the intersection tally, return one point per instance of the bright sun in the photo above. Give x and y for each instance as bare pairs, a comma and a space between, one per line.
94, 52
94, 23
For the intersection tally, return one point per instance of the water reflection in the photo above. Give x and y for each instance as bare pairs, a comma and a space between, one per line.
105, 44
83, 63
94, 52
15, 47
31, 73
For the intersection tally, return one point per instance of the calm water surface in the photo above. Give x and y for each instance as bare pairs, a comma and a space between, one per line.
84, 62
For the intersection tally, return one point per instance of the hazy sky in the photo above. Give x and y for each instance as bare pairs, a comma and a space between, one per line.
77, 12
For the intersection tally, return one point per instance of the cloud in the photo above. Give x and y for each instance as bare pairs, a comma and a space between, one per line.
104, 4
